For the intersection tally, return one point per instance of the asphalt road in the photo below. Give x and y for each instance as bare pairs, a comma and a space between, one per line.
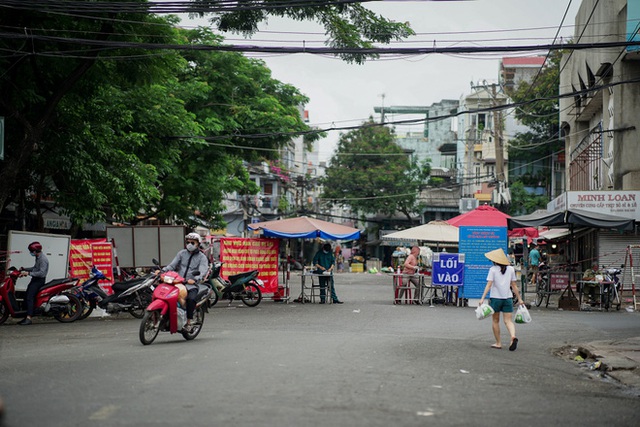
363, 363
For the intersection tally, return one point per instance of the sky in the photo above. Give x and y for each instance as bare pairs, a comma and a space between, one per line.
344, 94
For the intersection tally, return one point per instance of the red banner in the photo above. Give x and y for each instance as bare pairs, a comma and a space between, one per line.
240, 255
86, 253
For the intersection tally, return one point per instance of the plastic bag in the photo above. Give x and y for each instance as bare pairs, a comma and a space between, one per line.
522, 314
483, 311
182, 318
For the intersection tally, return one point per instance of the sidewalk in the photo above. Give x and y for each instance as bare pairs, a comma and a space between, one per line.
619, 359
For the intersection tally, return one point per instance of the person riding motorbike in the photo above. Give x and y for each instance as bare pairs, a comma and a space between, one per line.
38, 275
190, 263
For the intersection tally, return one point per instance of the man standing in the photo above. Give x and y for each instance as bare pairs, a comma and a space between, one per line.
534, 262
38, 275
324, 261
411, 268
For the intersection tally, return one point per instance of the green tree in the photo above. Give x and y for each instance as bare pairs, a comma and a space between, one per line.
372, 174
351, 27
96, 128
532, 151
524, 202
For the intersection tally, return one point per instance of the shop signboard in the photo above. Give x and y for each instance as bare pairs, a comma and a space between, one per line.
622, 203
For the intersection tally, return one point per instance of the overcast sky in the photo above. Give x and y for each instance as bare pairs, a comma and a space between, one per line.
343, 94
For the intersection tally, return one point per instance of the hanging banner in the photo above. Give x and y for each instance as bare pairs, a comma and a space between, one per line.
86, 253
240, 255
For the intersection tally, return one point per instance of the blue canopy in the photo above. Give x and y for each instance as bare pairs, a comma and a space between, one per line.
305, 228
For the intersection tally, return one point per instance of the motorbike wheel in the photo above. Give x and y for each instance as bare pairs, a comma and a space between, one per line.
150, 326
251, 295
213, 299
4, 313
196, 324
142, 301
87, 308
73, 310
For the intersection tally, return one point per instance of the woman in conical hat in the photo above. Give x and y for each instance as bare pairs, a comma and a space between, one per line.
501, 280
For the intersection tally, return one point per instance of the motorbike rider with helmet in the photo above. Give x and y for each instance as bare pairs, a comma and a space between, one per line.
187, 262
38, 275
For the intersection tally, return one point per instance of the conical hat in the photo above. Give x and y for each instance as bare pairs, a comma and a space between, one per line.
498, 257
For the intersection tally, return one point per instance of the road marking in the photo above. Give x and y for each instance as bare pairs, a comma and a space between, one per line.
104, 413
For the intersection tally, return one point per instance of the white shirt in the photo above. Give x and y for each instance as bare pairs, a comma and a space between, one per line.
501, 283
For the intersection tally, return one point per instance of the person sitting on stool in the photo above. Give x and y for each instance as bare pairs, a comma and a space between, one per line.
591, 282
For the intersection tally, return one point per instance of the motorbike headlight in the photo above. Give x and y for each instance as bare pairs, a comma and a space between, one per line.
168, 280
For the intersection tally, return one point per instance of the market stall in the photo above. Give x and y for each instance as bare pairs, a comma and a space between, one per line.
304, 228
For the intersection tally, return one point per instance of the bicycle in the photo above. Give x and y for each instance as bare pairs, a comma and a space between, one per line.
542, 286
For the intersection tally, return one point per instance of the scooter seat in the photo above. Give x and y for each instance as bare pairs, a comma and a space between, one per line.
55, 282
242, 277
123, 286
203, 290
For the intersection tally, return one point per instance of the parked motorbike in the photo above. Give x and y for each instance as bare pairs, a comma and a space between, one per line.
51, 300
611, 288
165, 314
243, 286
131, 296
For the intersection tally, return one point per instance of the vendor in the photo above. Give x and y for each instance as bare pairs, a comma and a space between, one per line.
591, 281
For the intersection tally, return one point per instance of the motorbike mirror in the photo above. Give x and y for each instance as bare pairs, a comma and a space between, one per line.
155, 261
196, 273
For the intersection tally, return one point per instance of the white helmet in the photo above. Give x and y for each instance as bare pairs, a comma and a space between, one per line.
193, 236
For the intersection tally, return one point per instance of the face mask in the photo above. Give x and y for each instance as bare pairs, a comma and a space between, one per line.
191, 247
32, 253
325, 251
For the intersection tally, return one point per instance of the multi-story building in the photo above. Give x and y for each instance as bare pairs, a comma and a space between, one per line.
514, 70
601, 125
482, 145
436, 143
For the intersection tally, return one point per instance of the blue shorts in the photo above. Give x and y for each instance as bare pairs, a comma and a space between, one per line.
501, 305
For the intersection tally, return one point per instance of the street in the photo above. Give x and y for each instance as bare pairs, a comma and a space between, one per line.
363, 363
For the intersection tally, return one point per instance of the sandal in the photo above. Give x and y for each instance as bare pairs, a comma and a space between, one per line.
514, 345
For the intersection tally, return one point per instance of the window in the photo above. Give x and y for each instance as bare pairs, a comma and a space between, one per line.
268, 189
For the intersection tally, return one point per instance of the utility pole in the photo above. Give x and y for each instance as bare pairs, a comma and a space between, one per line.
497, 126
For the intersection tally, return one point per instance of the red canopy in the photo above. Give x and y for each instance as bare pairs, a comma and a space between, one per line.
482, 215
491, 217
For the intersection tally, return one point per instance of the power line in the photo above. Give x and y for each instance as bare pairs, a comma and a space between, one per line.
318, 50
398, 122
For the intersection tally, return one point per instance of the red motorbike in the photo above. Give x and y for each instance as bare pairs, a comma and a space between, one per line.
52, 299
165, 314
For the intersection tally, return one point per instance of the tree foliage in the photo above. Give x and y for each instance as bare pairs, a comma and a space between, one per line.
348, 26
526, 202
372, 174
119, 132
536, 147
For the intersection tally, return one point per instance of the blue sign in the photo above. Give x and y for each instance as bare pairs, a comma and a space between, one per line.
448, 269
633, 25
474, 243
